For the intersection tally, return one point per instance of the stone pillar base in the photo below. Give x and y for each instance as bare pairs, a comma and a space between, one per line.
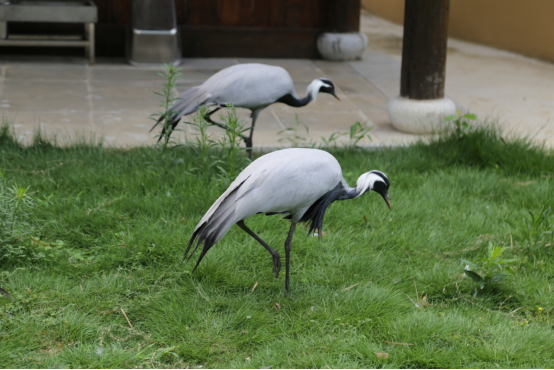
420, 116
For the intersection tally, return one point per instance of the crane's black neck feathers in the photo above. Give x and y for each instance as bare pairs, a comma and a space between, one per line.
316, 212
295, 102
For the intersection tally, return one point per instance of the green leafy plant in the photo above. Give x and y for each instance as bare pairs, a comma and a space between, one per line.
294, 136
222, 158
331, 141
15, 206
230, 145
170, 77
535, 234
538, 229
461, 122
203, 145
357, 132
58, 250
492, 269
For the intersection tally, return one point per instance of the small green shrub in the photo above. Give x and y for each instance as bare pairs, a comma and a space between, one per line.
295, 138
221, 159
357, 132
233, 161
492, 267
461, 122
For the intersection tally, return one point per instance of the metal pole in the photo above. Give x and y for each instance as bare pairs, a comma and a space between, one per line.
344, 16
91, 48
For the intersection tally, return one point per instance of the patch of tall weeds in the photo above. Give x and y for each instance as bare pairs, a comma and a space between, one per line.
230, 145
533, 236
16, 206
166, 98
217, 158
357, 132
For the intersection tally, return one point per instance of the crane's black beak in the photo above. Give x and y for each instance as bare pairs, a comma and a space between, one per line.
386, 198
335, 95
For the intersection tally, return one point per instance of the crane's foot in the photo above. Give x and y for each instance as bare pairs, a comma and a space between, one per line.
276, 265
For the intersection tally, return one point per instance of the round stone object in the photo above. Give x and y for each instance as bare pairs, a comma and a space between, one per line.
341, 46
420, 116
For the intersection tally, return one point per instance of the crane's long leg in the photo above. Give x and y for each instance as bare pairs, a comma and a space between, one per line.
288, 248
210, 121
248, 141
274, 253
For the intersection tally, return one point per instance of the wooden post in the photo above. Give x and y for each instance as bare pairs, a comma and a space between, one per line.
344, 16
342, 39
422, 107
424, 49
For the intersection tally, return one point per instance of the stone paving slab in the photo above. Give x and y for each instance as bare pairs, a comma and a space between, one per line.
67, 97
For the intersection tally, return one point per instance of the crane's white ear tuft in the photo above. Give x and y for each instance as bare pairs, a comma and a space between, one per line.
313, 88
366, 182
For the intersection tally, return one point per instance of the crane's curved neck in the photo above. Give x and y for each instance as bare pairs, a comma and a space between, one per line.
350, 193
311, 94
295, 102
316, 212
365, 183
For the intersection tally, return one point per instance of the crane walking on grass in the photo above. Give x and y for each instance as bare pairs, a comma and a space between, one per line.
301, 183
252, 86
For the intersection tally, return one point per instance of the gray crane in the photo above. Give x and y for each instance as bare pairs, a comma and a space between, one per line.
252, 86
301, 183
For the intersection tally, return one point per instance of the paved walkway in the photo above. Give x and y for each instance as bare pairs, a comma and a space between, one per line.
111, 99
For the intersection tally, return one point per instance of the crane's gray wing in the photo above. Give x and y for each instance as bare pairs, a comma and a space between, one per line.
187, 103
285, 181
250, 86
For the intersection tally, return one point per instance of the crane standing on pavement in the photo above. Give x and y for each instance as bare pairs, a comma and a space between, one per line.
252, 86
301, 183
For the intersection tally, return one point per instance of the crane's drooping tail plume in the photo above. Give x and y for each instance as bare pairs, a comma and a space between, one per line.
186, 104
210, 230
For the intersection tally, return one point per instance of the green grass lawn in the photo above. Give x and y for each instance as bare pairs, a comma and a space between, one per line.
108, 229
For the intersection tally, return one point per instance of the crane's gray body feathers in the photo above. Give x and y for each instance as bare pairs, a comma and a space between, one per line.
265, 186
189, 101
240, 85
237, 85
